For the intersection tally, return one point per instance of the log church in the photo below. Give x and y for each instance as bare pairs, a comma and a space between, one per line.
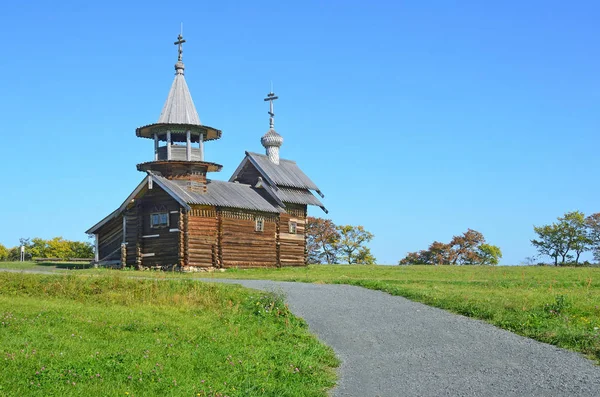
179, 219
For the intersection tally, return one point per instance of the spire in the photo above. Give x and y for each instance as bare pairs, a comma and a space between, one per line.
179, 107
272, 141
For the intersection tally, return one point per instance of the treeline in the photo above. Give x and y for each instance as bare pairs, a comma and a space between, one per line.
56, 247
565, 240
329, 243
469, 248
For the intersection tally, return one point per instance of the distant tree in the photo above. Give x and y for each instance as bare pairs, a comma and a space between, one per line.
468, 248
3, 253
489, 254
322, 240
352, 244
576, 232
81, 249
14, 254
364, 257
593, 225
56, 247
465, 248
549, 241
570, 234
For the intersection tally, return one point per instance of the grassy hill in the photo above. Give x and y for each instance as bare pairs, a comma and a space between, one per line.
76, 335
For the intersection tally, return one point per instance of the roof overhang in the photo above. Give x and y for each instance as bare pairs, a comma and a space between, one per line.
154, 165
178, 131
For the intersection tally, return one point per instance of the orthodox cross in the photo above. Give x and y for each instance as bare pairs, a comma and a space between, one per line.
271, 97
179, 42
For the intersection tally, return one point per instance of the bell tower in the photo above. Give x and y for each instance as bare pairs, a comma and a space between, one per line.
179, 135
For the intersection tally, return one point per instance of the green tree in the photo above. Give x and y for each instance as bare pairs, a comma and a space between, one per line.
549, 241
353, 239
489, 254
81, 249
3, 253
593, 226
559, 239
364, 257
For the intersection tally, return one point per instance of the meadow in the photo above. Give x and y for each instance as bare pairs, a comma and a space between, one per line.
556, 305
560, 306
110, 334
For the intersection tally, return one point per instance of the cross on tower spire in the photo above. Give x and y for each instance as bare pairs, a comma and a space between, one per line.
271, 97
180, 42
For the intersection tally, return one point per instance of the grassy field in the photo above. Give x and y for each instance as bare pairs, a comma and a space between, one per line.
68, 335
560, 306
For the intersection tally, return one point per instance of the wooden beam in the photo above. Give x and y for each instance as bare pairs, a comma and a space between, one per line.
96, 249
188, 147
201, 146
168, 145
155, 147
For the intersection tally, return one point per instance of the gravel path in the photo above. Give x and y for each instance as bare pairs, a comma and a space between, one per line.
390, 346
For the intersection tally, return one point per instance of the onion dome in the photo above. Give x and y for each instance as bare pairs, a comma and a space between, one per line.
271, 138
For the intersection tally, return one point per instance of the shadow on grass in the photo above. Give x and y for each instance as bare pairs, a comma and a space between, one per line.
66, 265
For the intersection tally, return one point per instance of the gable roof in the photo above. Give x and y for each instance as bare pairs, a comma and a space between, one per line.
285, 174
219, 193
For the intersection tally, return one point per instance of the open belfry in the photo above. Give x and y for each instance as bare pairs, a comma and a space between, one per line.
178, 218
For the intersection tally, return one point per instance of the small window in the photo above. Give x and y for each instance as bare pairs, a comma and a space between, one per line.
159, 219
293, 227
260, 224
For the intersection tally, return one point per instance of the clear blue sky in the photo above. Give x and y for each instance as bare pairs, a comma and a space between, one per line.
417, 119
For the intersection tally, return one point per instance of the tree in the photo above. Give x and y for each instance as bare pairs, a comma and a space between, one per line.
364, 257
322, 240
465, 247
352, 244
593, 225
468, 248
549, 242
558, 240
576, 232
489, 254
3, 253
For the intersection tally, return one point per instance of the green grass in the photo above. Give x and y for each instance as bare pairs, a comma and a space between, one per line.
68, 335
560, 306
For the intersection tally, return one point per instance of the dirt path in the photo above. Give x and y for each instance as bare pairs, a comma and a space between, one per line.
390, 346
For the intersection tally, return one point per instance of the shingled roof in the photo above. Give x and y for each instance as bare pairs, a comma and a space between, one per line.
286, 173
219, 193
179, 107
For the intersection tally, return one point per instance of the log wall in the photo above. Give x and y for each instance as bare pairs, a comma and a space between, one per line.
292, 247
241, 245
162, 250
202, 228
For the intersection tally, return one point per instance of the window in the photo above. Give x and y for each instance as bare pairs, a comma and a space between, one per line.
293, 227
260, 224
159, 219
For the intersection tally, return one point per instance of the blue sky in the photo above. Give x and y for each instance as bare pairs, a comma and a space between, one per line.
417, 119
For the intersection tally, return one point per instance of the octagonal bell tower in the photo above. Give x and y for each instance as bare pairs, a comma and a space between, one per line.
179, 135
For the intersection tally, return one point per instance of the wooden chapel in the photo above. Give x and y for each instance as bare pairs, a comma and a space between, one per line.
177, 218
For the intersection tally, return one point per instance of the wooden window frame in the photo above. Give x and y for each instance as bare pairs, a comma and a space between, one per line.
160, 224
259, 224
293, 227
